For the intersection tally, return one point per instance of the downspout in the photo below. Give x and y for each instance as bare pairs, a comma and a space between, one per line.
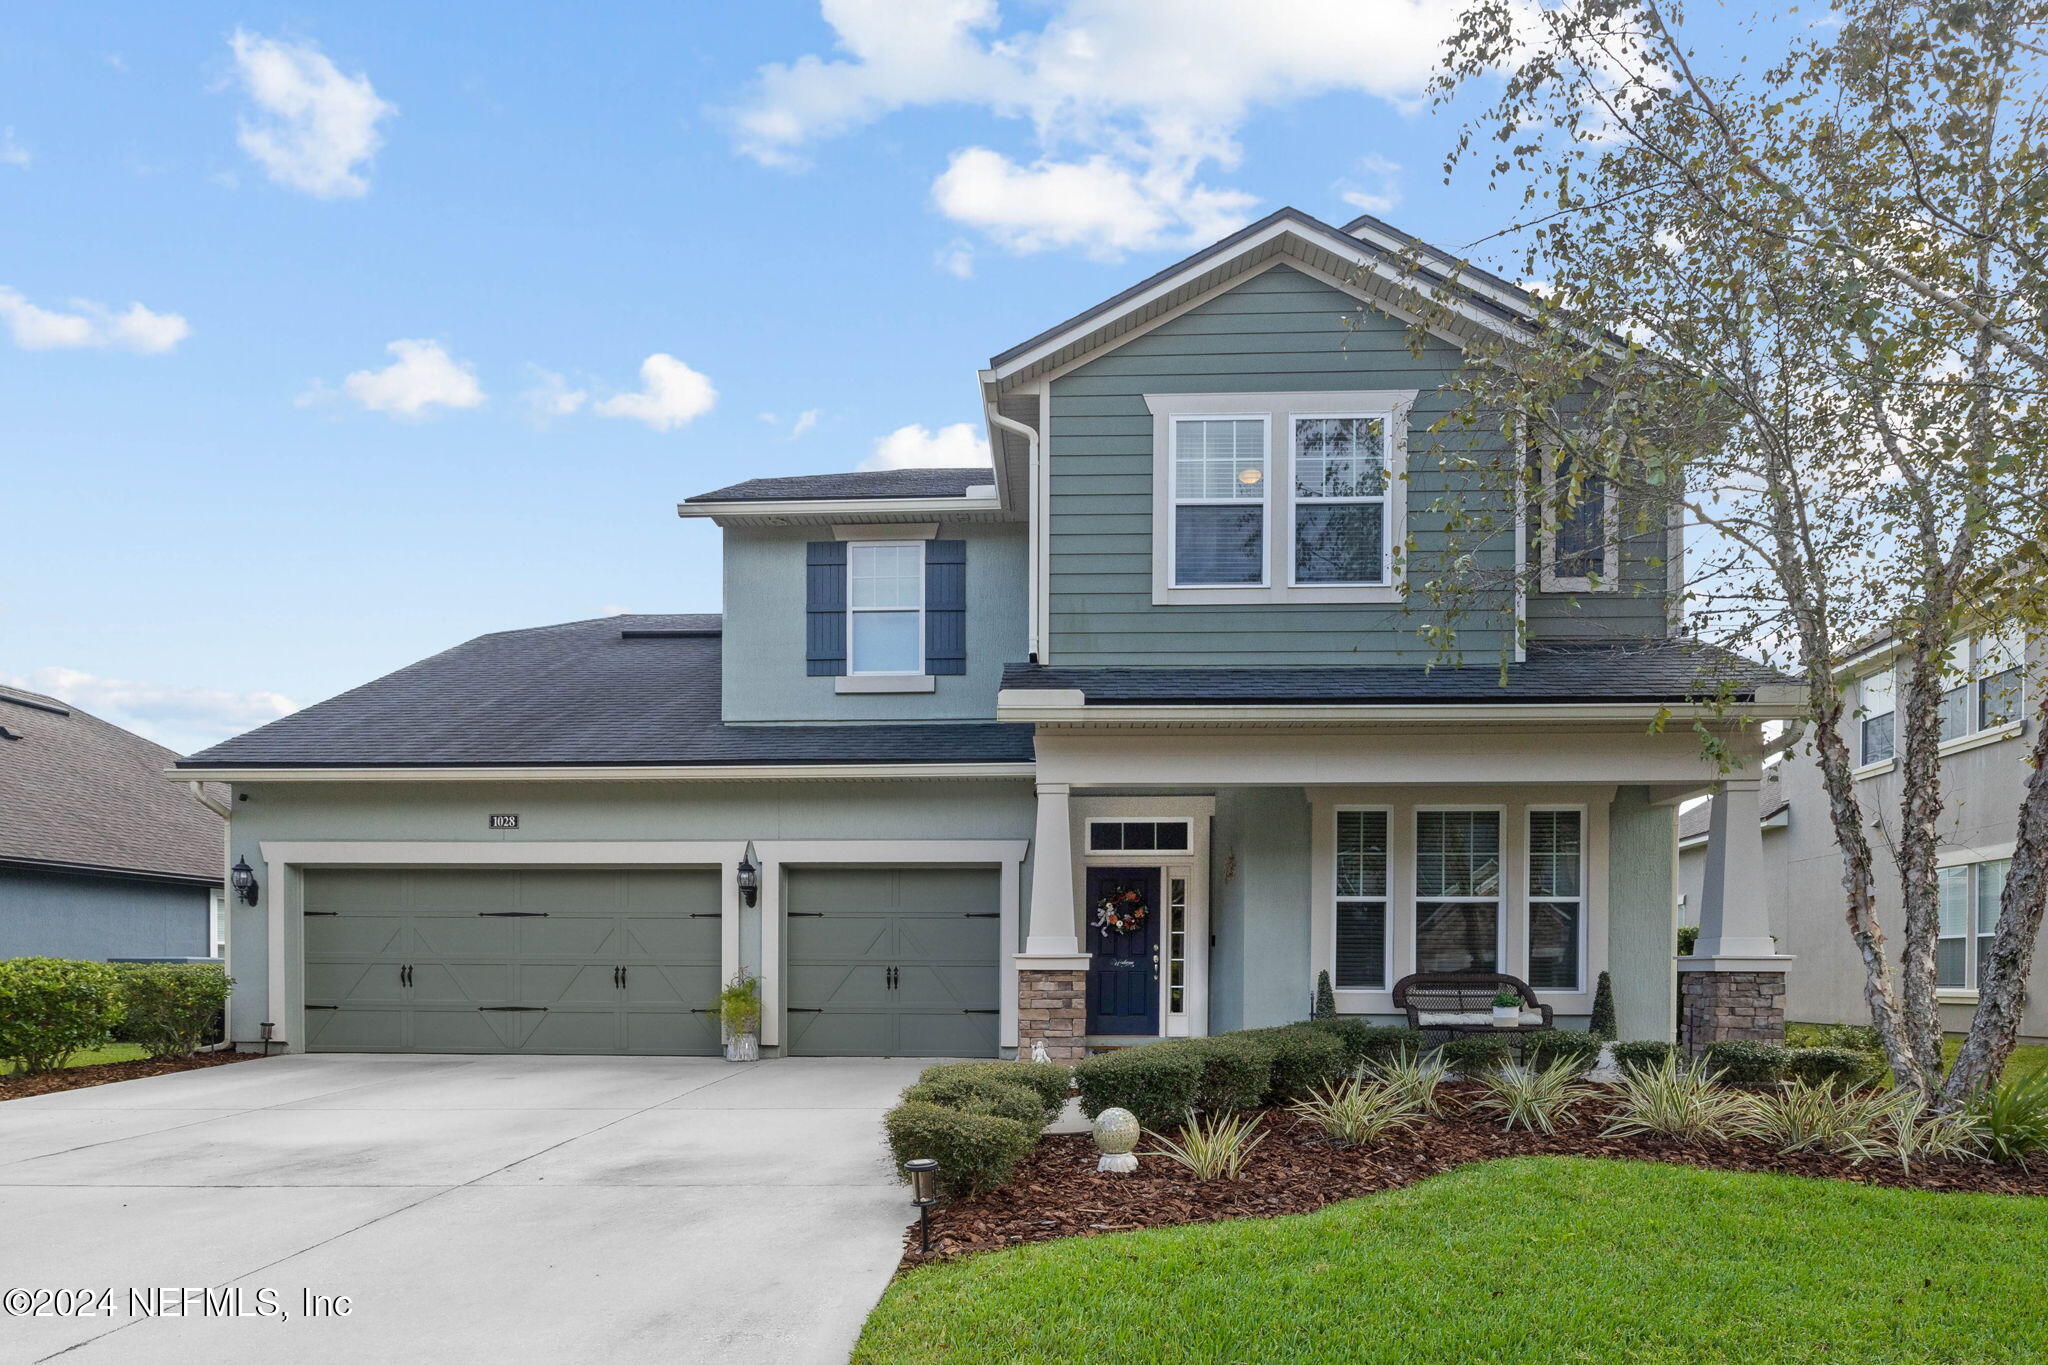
220, 808
1032, 527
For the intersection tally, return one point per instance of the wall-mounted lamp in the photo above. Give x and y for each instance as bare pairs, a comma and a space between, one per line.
243, 878
924, 1192
749, 877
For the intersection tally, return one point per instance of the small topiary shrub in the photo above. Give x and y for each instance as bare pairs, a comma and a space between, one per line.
1741, 1062
169, 1007
1820, 1065
975, 1152
51, 1007
1645, 1055
1326, 998
1159, 1083
1561, 1045
1237, 1070
1474, 1056
1304, 1060
981, 1095
1601, 1025
1050, 1081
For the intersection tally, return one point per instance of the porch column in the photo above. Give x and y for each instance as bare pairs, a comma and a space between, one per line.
1732, 986
1052, 972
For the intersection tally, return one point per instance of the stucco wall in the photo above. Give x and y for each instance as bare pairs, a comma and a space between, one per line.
49, 915
1642, 844
1259, 879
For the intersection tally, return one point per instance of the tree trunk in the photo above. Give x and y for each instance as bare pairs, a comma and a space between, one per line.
1917, 850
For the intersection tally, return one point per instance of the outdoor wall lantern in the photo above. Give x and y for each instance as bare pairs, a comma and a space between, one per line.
243, 879
924, 1192
749, 877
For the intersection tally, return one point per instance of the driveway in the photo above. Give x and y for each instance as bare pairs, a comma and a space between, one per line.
502, 1209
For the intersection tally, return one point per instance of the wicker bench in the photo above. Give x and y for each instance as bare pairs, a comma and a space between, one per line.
1433, 995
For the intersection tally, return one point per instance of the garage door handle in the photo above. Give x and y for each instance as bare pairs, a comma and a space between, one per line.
981, 1011
511, 914
311, 913
982, 914
794, 1009
707, 914
804, 914
323, 1007
514, 1009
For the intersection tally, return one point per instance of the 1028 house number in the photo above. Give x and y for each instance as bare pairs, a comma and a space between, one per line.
504, 822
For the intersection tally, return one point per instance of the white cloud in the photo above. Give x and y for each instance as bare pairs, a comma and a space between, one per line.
1375, 187
12, 153
671, 395
549, 397
423, 376
312, 128
805, 420
181, 718
93, 325
917, 447
1131, 103
957, 259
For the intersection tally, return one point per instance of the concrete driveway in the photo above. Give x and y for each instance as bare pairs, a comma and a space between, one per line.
501, 1209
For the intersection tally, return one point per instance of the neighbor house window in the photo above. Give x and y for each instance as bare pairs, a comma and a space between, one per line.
1986, 692
885, 607
1340, 500
1874, 697
1457, 891
1361, 900
1557, 898
1970, 894
1219, 501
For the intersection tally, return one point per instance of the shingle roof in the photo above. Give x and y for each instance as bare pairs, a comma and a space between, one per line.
618, 690
1654, 671
1692, 823
76, 791
872, 483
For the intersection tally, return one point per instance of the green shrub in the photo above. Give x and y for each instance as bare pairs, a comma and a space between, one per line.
1558, 1045
1741, 1062
975, 1152
1854, 1037
1688, 939
1366, 1042
51, 1007
1326, 999
981, 1095
1050, 1081
1159, 1083
1601, 1025
1820, 1065
169, 1007
739, 1005
1473, 1056
1643, 1055
2015, 1118
1304, 1060
1237, 1070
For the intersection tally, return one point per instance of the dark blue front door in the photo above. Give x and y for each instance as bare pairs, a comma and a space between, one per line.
1123, 975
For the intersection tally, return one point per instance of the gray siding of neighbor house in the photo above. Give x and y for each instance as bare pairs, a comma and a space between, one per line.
569, 810
1279, 331
1259, 908
1642, 859
764, 660
46, 914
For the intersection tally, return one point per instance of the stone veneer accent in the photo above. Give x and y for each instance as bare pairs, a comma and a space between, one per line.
1716, 1007
1052, 1008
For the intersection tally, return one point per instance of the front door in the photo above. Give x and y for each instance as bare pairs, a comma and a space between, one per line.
1123, 947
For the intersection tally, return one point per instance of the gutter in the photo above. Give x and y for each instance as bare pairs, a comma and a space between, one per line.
1050, 706
1035, 526
980, 498
809, 772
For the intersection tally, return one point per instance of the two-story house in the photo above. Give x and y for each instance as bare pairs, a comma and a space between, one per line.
1132, 734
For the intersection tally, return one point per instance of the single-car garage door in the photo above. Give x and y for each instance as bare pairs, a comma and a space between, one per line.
584, 961
892, 962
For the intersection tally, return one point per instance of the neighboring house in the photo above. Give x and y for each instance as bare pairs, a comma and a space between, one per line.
99, 857
1986, 734
1774, 816
1161, 655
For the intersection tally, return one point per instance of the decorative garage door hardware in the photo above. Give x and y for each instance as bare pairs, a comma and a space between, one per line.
513, 1009
310, 914
323, 1007
707, 914
618, 976
405, 976
511, 914
806, 914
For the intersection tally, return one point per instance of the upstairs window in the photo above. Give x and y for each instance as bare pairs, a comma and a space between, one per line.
1985, 692
1874, 697
1219, 501
885, 607
1578, 513
1340, 500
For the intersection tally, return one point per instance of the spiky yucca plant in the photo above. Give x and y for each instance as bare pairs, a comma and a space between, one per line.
1414, 1078
1677, 1099
1534, 1097
1215, 1148
1356, 1113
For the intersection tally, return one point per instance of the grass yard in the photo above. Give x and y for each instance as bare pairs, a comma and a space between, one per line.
113, 1052
1552, 1259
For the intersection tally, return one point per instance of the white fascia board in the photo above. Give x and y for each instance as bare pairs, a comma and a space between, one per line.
1020, 706
808, 772
983, 498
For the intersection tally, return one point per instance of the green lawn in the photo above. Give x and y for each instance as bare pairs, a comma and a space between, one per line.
1541, 1259
113, 1052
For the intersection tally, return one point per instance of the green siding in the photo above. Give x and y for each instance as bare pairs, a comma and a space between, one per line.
1642, 909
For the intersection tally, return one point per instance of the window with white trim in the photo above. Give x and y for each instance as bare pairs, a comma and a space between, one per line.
1219, 501
1557, 898
1876, 719
1339, 475
1457, 890
885, 607
1361, 900
216, 923
1578, 526
1176, 945
1984, 673
1970, 894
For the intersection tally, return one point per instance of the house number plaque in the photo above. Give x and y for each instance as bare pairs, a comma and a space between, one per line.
504, 822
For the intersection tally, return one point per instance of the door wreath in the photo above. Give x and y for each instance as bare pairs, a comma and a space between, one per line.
1122, 911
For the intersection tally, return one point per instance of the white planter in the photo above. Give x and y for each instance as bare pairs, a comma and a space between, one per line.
1506, 1016
745, 1048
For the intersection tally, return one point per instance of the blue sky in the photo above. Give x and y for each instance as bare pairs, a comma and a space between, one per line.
809, 226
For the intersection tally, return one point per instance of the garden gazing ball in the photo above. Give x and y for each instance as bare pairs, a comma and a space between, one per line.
1116, 1134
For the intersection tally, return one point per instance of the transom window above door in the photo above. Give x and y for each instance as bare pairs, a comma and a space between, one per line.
1278, 497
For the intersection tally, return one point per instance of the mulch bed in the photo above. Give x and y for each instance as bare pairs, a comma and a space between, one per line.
1057, 1191
78, 1077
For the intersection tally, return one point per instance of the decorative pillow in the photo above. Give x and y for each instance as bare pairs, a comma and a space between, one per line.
1532, 1016
1453, 1019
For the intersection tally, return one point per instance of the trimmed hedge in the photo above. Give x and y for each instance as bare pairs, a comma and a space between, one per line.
981, 1095
51, 1007
171, 1006
1304, 1060
1050, 1081
975, 1152
1367, 1042
1159, 1082
1475, 1055
1740, 1062
1237, 1070
1643, 1055
1819, 1065
1556, 1045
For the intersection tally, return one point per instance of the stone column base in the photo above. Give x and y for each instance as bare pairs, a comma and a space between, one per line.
1052, 1008
1718, 1007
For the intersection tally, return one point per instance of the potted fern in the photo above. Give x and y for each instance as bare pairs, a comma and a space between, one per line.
739, 1015
1507, 1008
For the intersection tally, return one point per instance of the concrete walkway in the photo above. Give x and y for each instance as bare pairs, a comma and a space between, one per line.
489, 1209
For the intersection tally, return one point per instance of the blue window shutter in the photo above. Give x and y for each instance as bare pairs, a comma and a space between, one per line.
825, 608
945, 607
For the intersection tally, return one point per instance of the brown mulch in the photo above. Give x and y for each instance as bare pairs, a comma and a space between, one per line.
78, 1077
1057, 1192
